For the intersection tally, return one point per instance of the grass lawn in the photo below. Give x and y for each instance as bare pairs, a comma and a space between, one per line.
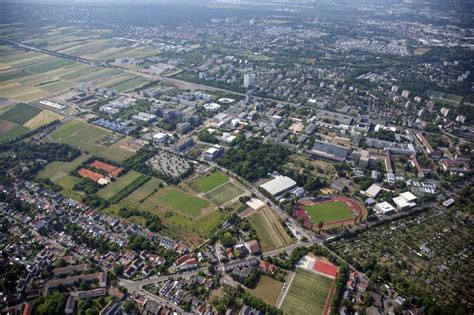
120, 183
181, 201
67, 183
307, 294
86, 137
209, 181
329, 211
224, 193
144, 191
56, 170
267, 289
20, 113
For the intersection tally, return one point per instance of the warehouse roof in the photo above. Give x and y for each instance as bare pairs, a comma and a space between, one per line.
373, 190
278, 185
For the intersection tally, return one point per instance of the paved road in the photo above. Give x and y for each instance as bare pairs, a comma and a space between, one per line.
131, 286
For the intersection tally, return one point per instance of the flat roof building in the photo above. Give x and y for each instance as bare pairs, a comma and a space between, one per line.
329, 151
384, 208
278, 185
373, 190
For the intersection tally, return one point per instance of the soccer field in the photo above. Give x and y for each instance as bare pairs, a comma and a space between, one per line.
307, 294
329, 211
183, 202
209, 181
224, 193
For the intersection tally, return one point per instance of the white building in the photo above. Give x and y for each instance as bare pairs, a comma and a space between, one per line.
384, 208
373, 190
278, 185
213, 153
405, 201
160, 137
249, 79
212, 107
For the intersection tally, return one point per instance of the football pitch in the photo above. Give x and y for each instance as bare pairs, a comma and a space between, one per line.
183, 202
329, 211
208, 182
307, 294
224, 193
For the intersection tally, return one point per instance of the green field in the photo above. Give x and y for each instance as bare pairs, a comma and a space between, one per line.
110, 190
224, 193
129, 84
67, 183
13, 133
307, 294
20, 113
144, 191
329, 211
270, 232
444, 98
183, 202
48, 65
56, 171
12, 74
209, 181
267, 289
86, 137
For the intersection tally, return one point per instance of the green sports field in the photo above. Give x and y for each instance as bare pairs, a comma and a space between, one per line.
209, 181
307, 293
183, 202
116, 186
224, 193
329, 211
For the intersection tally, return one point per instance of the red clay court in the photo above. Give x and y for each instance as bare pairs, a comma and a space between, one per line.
325, 268
112, 170
90, 174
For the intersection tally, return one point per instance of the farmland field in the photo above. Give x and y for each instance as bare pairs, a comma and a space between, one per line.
181, 201
129, 84
307, 293
85, 137
20, 113
209, 181
329, 211
270, 232
13, 132
267, 289
42, 119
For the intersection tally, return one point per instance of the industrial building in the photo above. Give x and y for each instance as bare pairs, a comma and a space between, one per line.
278, 185
329, 151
